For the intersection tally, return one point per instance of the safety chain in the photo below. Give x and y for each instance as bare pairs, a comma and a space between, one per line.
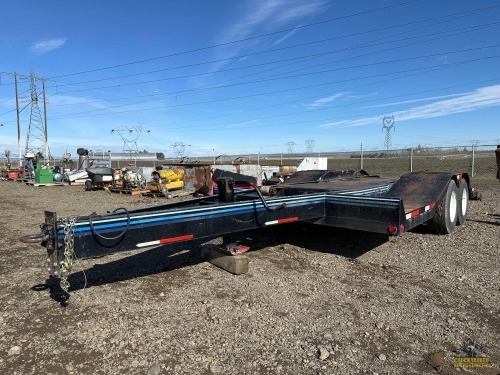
69, 245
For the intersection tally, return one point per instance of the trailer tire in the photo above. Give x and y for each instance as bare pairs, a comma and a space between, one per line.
88, 185
445, 218
463, 202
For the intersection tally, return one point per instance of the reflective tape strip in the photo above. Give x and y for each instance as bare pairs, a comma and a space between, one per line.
282, 221
164, 241
417, 211
430, 207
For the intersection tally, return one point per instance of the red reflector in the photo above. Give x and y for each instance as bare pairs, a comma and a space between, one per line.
392, 229
415, 213
401, 228
288, 220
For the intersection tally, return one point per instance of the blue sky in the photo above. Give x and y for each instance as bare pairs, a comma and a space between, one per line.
243, 77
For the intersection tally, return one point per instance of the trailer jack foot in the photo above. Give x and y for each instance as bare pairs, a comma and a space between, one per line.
235, 264
234, 249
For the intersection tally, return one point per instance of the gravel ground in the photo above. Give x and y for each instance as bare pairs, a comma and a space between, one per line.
316, 300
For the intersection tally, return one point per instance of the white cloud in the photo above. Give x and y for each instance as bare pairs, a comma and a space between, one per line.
47, 45
285, 37
324, 101
410, 101
471, 101
243, 124
264, 17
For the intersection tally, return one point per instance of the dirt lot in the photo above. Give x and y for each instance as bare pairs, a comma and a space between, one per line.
315, 300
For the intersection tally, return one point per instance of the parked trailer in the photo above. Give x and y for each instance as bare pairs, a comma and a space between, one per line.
345, 199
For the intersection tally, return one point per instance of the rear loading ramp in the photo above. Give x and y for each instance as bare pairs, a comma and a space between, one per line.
432, 197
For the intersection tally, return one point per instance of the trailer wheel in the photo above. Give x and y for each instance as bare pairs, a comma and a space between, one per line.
88, 185
445, 218
463, 203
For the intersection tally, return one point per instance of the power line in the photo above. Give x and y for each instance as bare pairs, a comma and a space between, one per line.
418, 70
459, 14
185, 91
460, 30
301, 58
241, 40
273, 92
310, 73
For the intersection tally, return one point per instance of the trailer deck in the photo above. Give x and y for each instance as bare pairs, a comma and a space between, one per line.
345, 199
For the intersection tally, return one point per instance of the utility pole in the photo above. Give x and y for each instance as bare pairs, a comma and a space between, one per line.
18, 122
47, 155
37, 136
387, 125
179, 148
290, 147
361, 155
130, 135
310, 145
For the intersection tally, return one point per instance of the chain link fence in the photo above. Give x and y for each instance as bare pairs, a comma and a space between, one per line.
477, 160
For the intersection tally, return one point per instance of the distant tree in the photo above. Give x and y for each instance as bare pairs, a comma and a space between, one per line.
160, 156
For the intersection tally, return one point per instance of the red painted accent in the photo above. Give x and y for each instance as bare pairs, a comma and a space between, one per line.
415, 213
176, 239
288, 220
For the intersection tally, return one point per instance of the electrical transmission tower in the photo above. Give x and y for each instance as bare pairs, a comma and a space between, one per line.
290, 146
388, 124
179, 148
36, 139
130, 135
310, 145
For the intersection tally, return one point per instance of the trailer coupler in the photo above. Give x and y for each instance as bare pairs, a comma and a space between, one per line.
35, 238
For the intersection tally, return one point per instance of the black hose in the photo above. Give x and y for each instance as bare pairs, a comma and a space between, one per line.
266, 206
101, 237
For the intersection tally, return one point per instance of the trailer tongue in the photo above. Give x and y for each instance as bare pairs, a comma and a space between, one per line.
340, 199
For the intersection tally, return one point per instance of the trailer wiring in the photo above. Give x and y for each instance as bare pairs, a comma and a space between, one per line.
266, 206
100, 237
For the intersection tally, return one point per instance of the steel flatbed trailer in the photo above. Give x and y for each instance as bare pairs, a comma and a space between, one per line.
345, 199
